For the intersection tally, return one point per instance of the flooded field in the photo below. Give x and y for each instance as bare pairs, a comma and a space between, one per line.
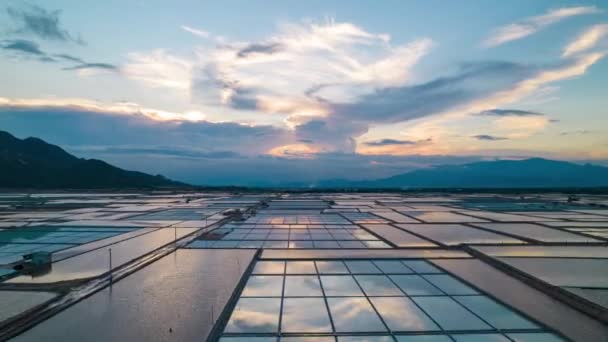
297, 266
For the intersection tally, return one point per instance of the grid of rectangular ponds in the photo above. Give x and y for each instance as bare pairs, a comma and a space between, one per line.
177, 214
369, 300
247, 235
15, 243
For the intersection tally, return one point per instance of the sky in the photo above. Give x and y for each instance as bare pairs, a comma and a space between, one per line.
281, 92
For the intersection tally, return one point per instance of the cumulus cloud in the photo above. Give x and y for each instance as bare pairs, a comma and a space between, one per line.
586, 40
331, 89
198, 152
332, 82
41, 23
275, 75
119, 127
531, 25
330, 134
261, 48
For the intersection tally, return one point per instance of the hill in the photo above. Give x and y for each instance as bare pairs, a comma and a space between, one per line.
527, 173
34, 163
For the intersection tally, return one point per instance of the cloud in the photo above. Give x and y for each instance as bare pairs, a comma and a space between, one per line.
159, 69
331, 135
41, 23
196, 32
23, 46
398, 104
259, 48
508, 112
332, 82
396, 147
465, 92
274, 75
102, 66
388, 142
166, 151
201, 152
28, 49
69, 58
118, 127
487, 137
586, 40
531, 25
577, 132
298, 150
516, 127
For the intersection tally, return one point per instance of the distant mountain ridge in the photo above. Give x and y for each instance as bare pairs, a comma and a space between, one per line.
34, 163
526, 173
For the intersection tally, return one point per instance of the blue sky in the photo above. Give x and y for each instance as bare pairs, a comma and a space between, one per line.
243, 92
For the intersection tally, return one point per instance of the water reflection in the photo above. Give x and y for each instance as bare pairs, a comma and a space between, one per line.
340, 286
255, 315
301, 267
450, 285
392, 266
378, 285
400, 314
305, 315
415, 285
331, 267
496, 314
354, 315
480, 338
302, 286
449, 314
263, 286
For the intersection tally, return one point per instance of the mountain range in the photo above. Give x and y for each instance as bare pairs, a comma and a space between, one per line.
524, 173
33, 163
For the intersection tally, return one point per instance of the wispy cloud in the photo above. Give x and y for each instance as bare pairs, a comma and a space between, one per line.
488, 137
102, 66
159, 69
509, 112
26, 49
531, 25
466, 85
274, 75
388, 142
68, 58
397, 147
577, 132
586, 40
196, 32
22, 46
39, 22
330, 90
